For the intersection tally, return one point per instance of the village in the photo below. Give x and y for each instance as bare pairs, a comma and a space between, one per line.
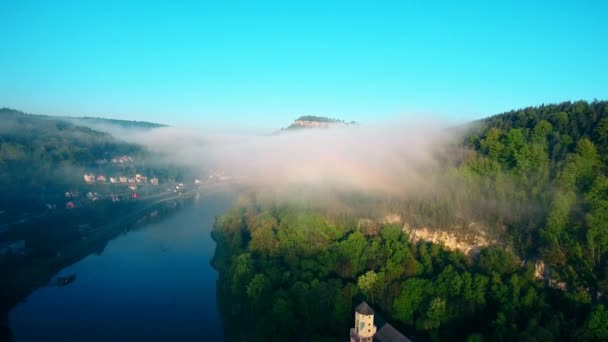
123, 185
108, 185
133, 187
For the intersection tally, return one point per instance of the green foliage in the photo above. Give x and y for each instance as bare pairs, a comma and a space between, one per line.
311, 291
366, 283
256, 288
596, 325
534, 179
412, 295
41, 157
497, 260
434, 316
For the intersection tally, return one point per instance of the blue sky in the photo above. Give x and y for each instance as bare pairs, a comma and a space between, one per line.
261, 64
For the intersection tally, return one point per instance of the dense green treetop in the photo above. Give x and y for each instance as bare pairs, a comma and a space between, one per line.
534, 179
296, 266
42, 157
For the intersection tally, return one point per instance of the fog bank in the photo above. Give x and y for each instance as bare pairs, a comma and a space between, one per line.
393, 157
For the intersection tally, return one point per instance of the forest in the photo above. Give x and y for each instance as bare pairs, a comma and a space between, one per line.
534, 179
41, 157
44, 149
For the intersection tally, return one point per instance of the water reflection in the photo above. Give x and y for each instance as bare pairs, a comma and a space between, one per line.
153, 283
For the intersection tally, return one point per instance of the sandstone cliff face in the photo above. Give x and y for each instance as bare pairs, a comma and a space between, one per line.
311, 124
317, 122
470, 244
469, 241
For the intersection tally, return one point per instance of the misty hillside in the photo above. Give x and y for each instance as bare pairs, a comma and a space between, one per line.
24, 135
94, 122
37, 131
534, 180
533, 176
40, 153
101, 122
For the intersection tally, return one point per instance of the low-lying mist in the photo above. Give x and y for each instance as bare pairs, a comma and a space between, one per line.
395, 158
419, 170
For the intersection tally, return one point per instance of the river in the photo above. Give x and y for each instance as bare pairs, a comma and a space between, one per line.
154, 283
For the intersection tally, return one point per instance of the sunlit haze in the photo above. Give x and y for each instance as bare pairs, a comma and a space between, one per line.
387, 171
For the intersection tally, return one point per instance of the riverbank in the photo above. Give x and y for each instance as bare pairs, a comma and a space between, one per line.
154, 283
57, 241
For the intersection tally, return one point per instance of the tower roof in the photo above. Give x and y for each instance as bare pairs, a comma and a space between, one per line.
387, 333
364, 309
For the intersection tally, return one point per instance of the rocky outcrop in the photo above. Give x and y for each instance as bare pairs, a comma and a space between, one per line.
317, 122
311, 124
469, 243
543, 272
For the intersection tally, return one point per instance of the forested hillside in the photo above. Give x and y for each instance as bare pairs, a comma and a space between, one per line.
102, 122
534, 178
42, 157
36, 149
556, 159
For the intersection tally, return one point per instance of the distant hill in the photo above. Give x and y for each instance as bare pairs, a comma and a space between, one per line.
91, 122
97, 122
309, 121
34, 140
43, 157
39, 153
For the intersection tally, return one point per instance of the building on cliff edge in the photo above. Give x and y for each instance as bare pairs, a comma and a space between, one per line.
368, 330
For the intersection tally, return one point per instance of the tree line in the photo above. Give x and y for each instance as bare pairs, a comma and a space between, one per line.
534, 178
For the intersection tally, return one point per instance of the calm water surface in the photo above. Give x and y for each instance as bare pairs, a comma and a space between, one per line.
152, 284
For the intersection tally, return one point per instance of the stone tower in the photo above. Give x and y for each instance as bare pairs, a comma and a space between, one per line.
364, 329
